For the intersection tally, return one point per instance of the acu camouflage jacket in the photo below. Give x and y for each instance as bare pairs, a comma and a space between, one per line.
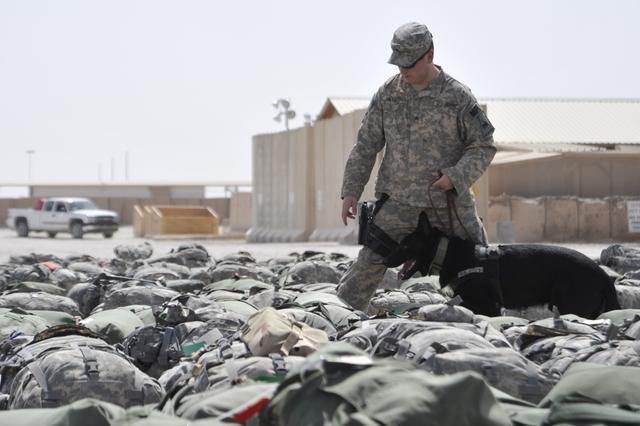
438, 128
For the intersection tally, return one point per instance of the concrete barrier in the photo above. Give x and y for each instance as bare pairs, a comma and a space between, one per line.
561, 222
558, 219
498, 214
240, 211
139, 221
528, 217
594, 222
333, 140
620, 220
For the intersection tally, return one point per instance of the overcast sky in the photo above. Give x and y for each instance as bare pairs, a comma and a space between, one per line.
183, 85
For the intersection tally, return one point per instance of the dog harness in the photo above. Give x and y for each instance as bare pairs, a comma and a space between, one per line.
489, 259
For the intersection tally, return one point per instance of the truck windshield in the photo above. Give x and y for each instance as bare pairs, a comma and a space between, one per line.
82, 205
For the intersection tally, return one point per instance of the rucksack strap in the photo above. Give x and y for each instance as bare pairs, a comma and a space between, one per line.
167, 341
90, 362
48, 398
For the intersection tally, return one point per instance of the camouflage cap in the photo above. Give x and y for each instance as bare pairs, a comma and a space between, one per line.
409, 43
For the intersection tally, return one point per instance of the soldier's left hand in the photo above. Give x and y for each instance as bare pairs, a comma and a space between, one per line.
443, 182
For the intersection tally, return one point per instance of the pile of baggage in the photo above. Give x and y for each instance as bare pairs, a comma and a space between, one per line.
185, 338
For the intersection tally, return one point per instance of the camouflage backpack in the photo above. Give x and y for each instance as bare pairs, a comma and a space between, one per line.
57, 370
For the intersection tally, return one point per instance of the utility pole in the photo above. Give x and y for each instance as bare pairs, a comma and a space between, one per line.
29, 153
126, 166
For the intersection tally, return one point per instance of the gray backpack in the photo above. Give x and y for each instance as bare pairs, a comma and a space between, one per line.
154, 349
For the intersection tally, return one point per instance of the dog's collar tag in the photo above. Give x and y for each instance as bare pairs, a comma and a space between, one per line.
465, 272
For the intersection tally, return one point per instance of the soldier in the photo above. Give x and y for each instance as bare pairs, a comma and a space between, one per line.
436, 139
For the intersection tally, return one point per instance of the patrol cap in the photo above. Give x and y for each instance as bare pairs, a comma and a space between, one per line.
409, 43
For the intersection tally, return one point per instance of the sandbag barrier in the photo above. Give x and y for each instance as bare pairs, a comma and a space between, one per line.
185, 338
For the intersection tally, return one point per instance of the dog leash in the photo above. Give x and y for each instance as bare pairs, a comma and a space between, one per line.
451, 209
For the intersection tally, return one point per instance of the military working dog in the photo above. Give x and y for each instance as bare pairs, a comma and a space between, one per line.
509, 276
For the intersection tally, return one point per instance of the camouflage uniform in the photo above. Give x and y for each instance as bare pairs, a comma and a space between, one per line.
440, 127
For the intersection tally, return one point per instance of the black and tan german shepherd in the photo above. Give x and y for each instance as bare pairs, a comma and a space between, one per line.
510, 276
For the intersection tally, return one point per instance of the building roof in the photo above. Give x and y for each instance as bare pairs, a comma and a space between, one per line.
336, 106
507, 157
553, 124
564, 121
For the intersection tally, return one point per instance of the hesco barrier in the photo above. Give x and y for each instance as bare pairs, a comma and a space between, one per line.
594, 220
334, 139
283, 186
559, 219
297, 176
240, 211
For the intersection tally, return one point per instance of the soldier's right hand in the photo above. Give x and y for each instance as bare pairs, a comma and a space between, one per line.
349, 208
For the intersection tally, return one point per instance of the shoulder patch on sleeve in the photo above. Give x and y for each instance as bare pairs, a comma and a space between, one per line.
486, 128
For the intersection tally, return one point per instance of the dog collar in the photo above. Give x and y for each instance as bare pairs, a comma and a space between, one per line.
438, 259
465, 272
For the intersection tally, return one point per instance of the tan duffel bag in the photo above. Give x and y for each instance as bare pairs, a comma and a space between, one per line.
268, 331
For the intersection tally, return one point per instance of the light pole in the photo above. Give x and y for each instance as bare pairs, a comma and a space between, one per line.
284, 111
29, 153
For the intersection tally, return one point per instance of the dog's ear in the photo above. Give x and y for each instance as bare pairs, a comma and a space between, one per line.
423, 222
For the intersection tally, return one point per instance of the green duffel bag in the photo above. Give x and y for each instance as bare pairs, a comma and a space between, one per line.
237, 284
79, 413
240, 307
144, 312
55, 317
311, 298
620, 316
40, 300
96, 413
30, 287
113, 324
502, 323
340, 385
599, 383
17, 320
589, 414
222, 403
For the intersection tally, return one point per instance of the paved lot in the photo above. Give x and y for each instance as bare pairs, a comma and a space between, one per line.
98, 246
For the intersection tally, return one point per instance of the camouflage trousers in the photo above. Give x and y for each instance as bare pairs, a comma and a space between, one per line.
359, 283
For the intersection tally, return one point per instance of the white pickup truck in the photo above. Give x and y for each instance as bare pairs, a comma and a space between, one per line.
52, 215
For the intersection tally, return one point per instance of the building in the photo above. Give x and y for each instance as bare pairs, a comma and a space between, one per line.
559, 155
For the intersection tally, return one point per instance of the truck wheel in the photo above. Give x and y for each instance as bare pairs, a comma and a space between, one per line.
51, 234
108, 234
22, 228
76, 230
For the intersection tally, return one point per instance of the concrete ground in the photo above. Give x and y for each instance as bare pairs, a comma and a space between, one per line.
98, 246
